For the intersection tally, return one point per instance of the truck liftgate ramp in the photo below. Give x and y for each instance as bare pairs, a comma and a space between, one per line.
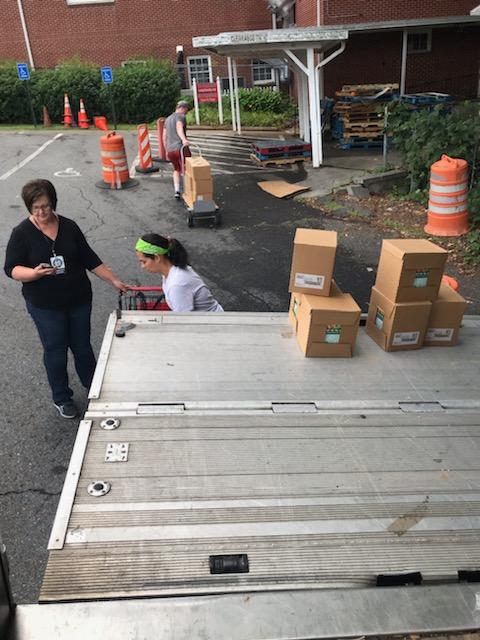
224, 487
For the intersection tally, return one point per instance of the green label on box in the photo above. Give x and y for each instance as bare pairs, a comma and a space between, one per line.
333, 333
421, 279
379, 318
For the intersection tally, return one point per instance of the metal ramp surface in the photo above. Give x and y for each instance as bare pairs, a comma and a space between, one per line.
323, 480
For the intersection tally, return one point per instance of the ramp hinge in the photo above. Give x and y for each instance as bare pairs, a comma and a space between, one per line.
420, 407
399, 579
159, 409
235, 563
294, 407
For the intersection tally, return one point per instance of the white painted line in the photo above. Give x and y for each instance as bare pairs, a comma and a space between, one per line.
30, 157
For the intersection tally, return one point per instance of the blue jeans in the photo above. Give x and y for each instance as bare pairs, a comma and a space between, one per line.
60, 331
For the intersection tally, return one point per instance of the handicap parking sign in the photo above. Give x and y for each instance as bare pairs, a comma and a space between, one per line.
22, 70
107, 75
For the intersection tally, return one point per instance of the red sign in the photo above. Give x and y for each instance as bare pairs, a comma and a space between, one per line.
207, 92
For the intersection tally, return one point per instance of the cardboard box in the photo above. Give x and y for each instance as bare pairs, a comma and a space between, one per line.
198, 168
313, 261
445, 318
397, 326
198, 188
325, 327
410, 270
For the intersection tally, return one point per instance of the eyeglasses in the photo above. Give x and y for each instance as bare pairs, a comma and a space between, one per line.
42, 207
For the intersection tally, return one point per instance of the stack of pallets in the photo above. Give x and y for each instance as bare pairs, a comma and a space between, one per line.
266, 152
427, 100
358, 114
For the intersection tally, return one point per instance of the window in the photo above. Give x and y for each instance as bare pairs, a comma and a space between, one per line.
90, 1
226, 87
199, 68
419, 41
262, 73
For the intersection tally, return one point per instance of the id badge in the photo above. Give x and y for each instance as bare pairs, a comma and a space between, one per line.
59, 263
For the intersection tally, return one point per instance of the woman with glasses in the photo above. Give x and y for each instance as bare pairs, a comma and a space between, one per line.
50, 256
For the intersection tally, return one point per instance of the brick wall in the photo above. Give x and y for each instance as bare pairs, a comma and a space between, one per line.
350, 11
450, 67
108, 34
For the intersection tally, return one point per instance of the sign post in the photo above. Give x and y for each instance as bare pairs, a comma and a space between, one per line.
24, 74
220, 103
107, 78
195, 101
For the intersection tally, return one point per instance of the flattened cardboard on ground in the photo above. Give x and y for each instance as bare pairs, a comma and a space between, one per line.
445, 318
397, 326
281, 188
325, 327
410, 270
313, 261
198, 167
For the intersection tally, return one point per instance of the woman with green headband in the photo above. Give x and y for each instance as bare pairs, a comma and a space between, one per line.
183, 288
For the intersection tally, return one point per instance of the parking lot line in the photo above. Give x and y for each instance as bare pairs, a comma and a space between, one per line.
30, 157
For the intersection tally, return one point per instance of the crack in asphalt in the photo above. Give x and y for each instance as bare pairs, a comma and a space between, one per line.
42, 492
90, 207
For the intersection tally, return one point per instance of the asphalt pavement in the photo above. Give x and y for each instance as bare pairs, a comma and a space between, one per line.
246, 262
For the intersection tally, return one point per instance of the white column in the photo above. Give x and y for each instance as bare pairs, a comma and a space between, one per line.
232, 97
303, 106
220, 103
315, 116
237, 101
403, 71
195, 101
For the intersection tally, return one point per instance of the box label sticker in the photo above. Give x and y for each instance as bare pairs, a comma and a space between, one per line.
379, 318
309, 280
333, 333
405, 337
440, 335
421, 279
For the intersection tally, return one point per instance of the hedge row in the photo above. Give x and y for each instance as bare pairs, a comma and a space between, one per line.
141, 92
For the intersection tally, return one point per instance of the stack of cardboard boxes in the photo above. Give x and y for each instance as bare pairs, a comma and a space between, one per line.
198, 180
409, 307
325, 319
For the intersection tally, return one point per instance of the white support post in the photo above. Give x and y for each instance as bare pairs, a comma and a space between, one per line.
315, 115
306, 118
195, 102
220, 103
232, 97
237, 101
403, 71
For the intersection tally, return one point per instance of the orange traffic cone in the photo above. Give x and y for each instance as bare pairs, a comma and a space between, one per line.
46, 118
82, 116
67, 113
100, 122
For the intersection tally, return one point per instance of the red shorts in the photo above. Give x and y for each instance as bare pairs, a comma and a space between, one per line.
176, 157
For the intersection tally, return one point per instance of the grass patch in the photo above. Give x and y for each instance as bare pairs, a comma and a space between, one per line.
390, 223
332, 206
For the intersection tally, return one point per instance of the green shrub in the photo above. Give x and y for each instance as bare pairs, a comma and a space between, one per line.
423, 136
143, 92
474, 204
14, 103
260, 100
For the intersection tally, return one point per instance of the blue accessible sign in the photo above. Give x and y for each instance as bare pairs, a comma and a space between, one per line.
107, 75
22, 70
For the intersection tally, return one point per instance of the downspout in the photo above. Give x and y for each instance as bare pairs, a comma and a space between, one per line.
403, 70
25, 34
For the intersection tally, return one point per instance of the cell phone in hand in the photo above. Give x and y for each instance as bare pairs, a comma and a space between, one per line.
45, 265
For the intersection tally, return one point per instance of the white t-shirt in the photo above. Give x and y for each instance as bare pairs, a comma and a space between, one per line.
185, 291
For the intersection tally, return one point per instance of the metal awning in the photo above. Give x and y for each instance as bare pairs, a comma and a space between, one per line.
298, 47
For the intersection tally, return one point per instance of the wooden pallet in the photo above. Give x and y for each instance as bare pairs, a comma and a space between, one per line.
276, 161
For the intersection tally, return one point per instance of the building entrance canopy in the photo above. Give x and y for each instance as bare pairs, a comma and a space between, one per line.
298, 48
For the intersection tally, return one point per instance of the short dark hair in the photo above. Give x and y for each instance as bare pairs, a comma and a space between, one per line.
177, 254
37, 188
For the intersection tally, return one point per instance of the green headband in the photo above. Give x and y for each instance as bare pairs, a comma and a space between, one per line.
150, 249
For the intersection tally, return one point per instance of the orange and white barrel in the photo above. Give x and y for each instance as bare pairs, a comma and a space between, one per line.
448, 200
115, 172
144, 151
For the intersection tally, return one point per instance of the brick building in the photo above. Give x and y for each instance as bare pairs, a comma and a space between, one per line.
443, 54
114, 32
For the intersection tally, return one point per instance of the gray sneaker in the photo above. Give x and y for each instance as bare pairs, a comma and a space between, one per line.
67, 410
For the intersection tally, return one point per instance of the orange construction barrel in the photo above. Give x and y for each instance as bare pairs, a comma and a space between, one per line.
447, 205
450, 282
114, 163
